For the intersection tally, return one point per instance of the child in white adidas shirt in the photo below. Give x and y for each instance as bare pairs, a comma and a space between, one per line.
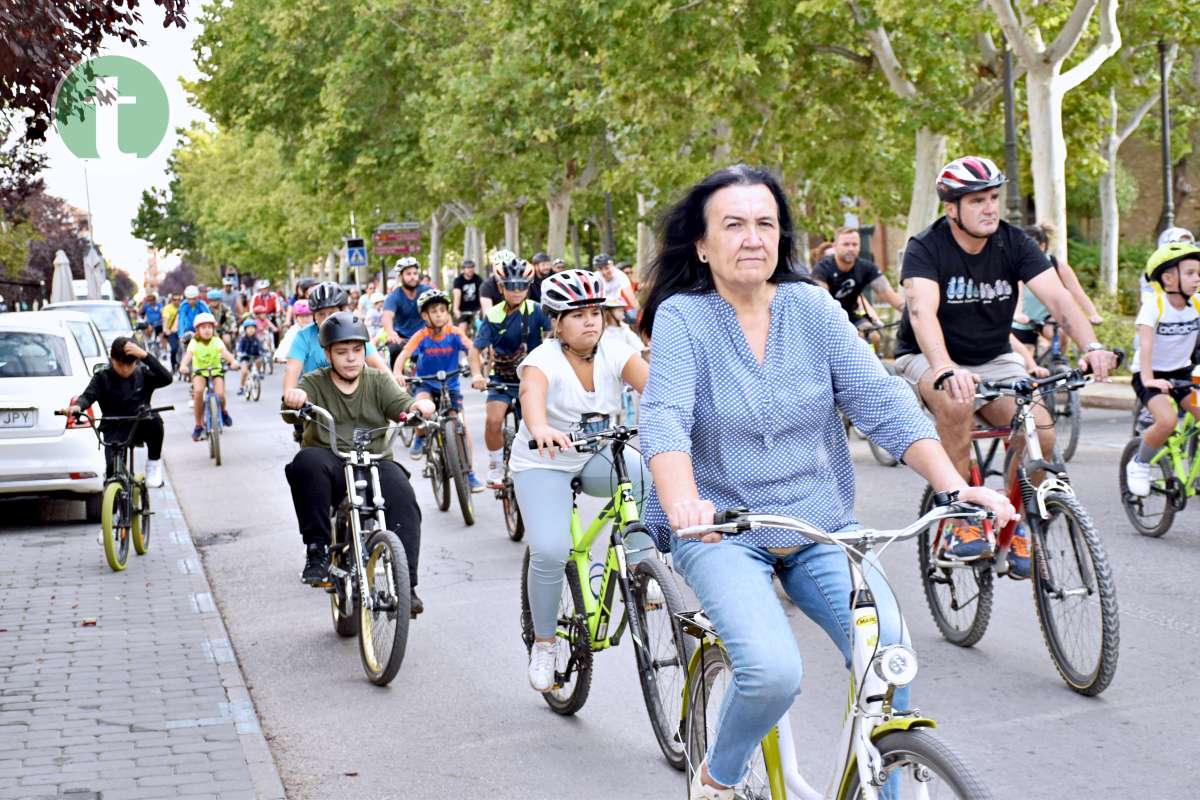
1167, 326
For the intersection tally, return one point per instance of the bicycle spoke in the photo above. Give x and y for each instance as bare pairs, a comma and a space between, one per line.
1073, 601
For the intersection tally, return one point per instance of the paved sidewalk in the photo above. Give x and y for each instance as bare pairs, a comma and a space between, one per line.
1116, 395
119, 685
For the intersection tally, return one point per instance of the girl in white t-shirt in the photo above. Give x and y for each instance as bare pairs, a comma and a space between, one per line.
1167, 327
569, 385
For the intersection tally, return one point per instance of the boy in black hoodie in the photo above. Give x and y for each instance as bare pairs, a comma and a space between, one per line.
121, 389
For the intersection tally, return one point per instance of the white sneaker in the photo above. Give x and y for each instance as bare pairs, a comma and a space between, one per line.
1137, 477
154, 473
541, 665
495, 476
702, 791
654, 596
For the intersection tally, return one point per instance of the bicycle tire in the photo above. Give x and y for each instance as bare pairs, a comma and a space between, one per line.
663, 660
140, 527
573, 631
513, 521
966, 629
922, 750
1135, 507
438, 475
343, 609
214, 429
456, 466
382, 661
115, 526
1052, 560
256, 388
703, 709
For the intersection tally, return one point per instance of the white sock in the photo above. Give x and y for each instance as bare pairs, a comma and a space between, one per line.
495, 458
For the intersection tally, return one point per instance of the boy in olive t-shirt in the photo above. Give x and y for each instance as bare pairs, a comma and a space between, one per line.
357, 397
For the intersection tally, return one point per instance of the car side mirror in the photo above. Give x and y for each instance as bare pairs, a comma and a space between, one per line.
99, 365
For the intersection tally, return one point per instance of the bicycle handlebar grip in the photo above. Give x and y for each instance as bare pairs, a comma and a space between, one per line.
941, 379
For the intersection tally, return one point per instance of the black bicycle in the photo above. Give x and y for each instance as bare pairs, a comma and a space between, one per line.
370, 594
1064, 404
125, 504
445, 449
505, 492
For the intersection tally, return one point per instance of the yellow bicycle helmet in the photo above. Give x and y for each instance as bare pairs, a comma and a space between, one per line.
1167, 256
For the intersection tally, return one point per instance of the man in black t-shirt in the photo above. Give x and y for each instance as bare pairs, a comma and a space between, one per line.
960, 278
466, 298
846, 275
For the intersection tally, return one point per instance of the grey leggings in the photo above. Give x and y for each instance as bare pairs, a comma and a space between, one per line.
544, 496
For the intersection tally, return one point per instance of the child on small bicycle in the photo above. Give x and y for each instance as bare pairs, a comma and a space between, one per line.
359, 398
206, 352
122, 389
511, 329
1167, 326
437, 347
569, 385
249, 351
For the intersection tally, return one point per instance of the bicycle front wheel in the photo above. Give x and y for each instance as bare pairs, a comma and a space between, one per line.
383, 628
456, 465
255, 388
707, 689
140, 527
662, 652
573, 659
920, 765
508, 495
1075, 595
214, 429
115, 525
959, 594
1153, 514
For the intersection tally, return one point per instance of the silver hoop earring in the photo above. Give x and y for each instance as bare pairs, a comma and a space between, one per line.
703, 259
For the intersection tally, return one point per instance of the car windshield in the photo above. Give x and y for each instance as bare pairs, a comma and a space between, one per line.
33, 355
108, 318
83, 336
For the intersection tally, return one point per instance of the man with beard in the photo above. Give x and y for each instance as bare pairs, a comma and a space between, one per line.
401, 319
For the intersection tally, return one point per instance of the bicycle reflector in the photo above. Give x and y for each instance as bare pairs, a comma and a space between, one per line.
896, 664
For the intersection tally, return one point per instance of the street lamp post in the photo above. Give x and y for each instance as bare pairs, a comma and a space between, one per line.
1011, 165
1168, 211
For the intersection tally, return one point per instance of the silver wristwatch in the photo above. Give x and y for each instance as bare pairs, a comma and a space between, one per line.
1093, 347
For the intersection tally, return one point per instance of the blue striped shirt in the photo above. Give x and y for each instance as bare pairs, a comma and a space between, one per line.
768, 437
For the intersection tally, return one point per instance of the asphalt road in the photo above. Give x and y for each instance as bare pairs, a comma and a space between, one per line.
460, 719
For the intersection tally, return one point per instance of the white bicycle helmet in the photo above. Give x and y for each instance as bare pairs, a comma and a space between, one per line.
572, 289
191, 292
261, 284
202, 318
1173, 235
431, 296
966, 175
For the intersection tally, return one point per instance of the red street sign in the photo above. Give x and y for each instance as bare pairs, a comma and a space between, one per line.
397, 236
397, 248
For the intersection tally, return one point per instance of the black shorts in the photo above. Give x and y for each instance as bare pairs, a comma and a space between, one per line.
1144, 394
468, 317
1026, 337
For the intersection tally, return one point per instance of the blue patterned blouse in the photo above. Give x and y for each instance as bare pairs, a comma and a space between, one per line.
768, 437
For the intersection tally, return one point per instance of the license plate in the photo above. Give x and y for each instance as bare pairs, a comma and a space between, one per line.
18, 418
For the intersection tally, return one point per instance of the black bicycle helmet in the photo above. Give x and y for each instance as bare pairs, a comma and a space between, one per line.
326, 295
342, 327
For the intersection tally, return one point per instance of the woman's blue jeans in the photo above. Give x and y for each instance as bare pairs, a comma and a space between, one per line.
733, 582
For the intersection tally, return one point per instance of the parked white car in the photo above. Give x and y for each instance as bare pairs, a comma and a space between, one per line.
42, 369
79, 325
109, 315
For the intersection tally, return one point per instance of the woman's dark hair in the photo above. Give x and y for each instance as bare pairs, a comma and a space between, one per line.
1040, 234
677, 269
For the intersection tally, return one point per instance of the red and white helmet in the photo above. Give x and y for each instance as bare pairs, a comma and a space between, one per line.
572, 289
966, 175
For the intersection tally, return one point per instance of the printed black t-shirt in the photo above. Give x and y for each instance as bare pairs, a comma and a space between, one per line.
978, 293
846, 287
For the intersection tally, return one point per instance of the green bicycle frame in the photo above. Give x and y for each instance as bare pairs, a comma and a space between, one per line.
620, 511
1176, 450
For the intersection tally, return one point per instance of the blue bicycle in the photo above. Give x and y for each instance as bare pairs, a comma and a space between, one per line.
212, 411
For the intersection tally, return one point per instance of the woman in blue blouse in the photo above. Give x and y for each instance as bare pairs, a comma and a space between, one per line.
750, 367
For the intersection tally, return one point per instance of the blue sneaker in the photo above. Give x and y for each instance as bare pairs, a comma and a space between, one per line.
968, 543
417, 450
226, 420
1018, 554
476, 484
197, 433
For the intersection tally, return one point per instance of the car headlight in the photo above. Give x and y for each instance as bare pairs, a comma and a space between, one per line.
896, 664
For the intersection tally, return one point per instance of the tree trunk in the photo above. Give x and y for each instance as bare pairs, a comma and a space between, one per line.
1110, 215
435, 249
471, 246
559, 207
924, 206
645, 236
1048, 153
512, 234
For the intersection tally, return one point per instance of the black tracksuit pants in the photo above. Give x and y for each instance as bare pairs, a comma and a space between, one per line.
318, 481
